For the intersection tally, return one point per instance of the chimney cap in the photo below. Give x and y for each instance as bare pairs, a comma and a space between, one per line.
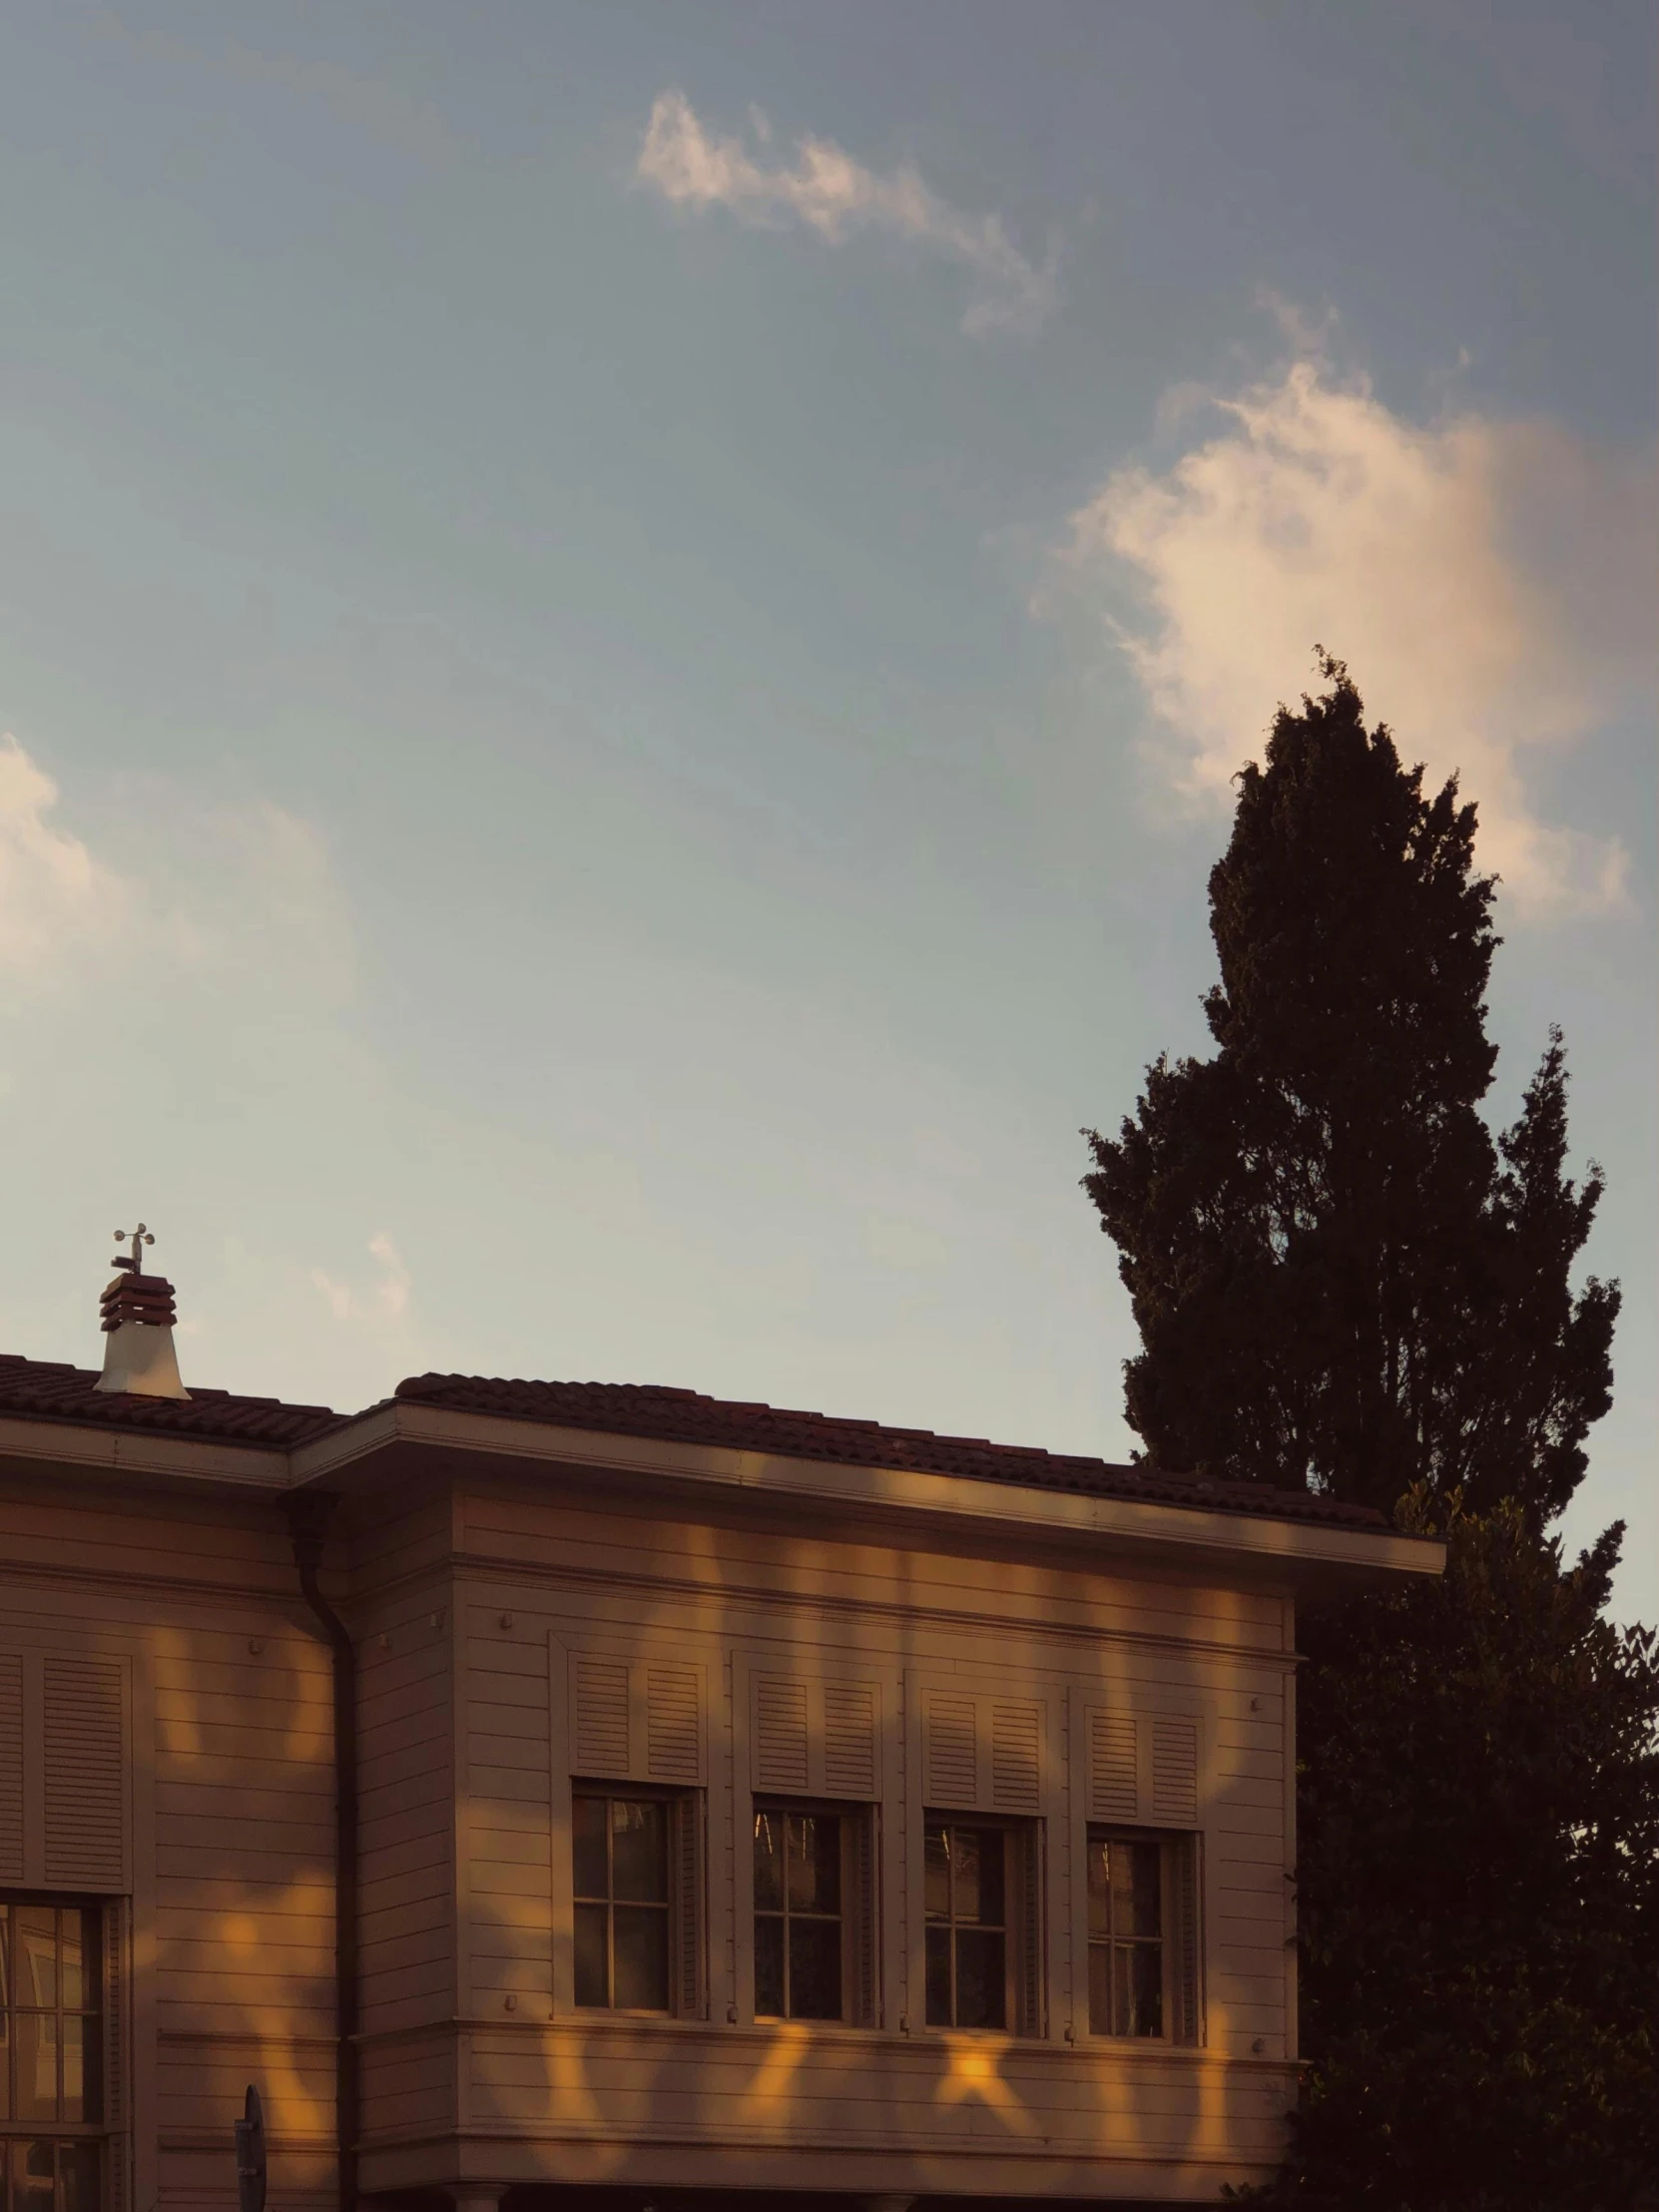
138, 1316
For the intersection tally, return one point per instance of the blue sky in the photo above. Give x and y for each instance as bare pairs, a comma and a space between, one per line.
625, 628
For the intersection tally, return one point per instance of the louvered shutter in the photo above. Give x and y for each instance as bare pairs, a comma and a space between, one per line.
635, 1720
1141, 1770
11, 1766
116, 2191
982, 1754
599, 1716
952, 1749
1189, 1939
1031, 1958
1113, 1767
84, 1772
782, 1735
689, 1912
863, 1932
851, 1738
673, 1724
816, 1739
1174, 1771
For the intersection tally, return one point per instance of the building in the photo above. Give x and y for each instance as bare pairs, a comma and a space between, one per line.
726, 1799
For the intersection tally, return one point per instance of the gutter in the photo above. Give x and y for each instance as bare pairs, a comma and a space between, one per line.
308, 1513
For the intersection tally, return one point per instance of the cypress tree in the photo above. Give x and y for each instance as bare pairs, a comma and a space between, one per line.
1340, 1279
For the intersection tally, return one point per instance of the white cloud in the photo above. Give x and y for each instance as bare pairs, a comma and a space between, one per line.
1488, 583
385, 1304
54, 897
835, 195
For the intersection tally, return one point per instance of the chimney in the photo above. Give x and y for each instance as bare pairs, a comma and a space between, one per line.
137, 1327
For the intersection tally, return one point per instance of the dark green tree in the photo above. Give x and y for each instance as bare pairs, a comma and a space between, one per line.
1343, 1278
1479, 1882
1338, 1276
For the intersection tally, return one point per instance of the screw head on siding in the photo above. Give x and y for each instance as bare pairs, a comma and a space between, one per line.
506, 1621
256, 1644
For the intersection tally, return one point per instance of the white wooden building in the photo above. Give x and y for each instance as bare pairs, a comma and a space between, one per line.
737, 1801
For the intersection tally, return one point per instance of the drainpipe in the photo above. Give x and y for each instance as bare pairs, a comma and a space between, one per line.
307, 1515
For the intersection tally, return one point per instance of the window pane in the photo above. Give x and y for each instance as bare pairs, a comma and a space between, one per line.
37, 2067
936, 1851
814, 1863
589, 1821
78, 1949
639, 1933
981, 1978
639, 1850
32, 2177
1100, 1887
592, 1980
977, 1889
78, 2166
37, 1955
769, 1968
769, 1862
1146, 1990
5, 2081
814, 1969
1100, 1990
5, 1960
1136, 1889
938, 1978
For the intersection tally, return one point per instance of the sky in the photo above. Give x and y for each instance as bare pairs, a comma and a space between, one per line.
624, 633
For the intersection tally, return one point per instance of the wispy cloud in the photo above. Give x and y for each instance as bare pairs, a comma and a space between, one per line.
835, 196
55, 897
385, 1304
1490, 584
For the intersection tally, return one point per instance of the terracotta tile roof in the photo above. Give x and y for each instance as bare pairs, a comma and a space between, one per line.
47, 1389
684, 1416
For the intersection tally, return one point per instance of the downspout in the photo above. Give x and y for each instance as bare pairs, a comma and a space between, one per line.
307, 1515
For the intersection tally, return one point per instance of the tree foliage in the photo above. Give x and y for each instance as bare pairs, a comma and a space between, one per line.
1478, 1886
1342, 1278
1338, 1276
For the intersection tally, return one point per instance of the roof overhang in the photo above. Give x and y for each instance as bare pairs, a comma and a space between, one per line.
399, 1440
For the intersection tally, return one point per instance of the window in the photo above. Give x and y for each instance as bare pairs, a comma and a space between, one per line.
813, 1914
1143, 1936
50, 2057
982, 1914
634, 1869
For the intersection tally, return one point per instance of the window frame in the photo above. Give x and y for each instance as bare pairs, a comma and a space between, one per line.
1024, 1963
103, 2132
684, 1907
1180, 1919
860, 1908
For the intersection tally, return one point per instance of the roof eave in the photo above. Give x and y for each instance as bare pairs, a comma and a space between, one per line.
1295, 1553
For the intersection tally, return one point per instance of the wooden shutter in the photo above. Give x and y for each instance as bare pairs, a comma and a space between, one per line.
599, 1716
673, 1724
781, 1735
816, 1739
1174, 1771
1113, 1767
1016, 1757
85, 1773
950, 1749
1189, 1941
1029, 1956
690, 1915
116, 2191
11, 1766
852, 1740
635, 1720
981, 1753
863, 1929
1141, 1769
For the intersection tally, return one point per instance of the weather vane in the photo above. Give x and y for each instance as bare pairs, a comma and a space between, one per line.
140, 1236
